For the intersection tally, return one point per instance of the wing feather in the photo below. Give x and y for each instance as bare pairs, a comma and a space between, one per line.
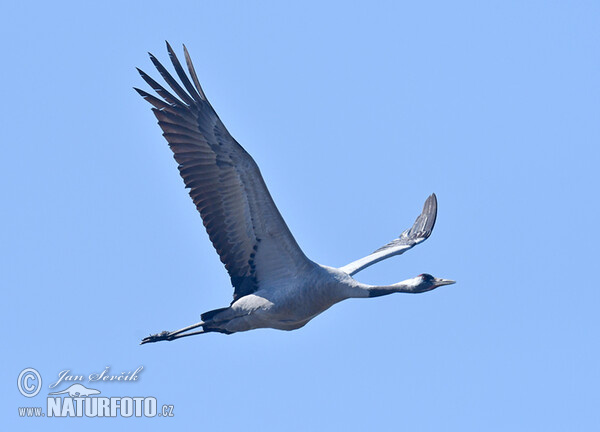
224, 182
418, 233
182, 75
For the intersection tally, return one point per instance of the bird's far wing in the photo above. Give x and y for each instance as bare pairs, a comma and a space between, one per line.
418, 233
225, 184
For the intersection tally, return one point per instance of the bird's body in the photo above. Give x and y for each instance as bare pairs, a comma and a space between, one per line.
290, 304
275, 284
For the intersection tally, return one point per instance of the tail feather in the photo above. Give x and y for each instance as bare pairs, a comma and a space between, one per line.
208, 316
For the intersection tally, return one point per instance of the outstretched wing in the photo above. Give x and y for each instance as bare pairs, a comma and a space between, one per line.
225, 184
418, 233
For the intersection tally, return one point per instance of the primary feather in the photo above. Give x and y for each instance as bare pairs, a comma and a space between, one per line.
241, 219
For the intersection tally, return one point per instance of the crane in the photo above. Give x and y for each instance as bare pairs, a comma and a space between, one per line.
275, 284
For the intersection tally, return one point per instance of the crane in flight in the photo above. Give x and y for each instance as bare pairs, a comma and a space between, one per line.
275, 284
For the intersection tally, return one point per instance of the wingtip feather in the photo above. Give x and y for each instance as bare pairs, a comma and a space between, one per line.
142, 93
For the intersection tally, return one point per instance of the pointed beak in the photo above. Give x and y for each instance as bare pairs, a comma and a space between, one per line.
439, 282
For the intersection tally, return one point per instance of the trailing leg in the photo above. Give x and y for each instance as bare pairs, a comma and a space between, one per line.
165, 335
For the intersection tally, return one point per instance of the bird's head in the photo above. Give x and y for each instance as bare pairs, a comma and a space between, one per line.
425, 282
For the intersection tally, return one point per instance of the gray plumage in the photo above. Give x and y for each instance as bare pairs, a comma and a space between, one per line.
275, 284
418, 233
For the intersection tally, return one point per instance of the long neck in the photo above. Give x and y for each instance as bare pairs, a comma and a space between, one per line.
364, 290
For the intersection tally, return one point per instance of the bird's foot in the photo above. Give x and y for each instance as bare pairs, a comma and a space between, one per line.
184, 332
164, 335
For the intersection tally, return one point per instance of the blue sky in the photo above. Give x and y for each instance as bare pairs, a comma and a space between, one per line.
355, 113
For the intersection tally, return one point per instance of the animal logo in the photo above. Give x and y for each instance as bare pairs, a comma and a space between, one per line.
77, 390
